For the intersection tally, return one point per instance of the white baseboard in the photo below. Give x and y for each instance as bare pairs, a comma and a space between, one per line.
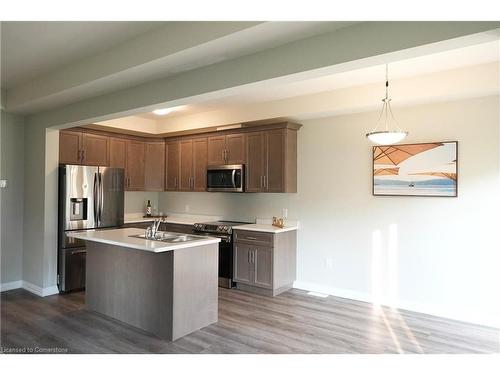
50, 290
11, 285
35, 289
439, 311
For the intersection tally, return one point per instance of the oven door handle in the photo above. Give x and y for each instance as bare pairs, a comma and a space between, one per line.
223, 237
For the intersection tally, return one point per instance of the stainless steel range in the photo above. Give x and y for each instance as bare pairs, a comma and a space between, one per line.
224, 231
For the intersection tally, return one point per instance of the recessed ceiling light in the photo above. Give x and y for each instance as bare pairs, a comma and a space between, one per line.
166, 111
162, 111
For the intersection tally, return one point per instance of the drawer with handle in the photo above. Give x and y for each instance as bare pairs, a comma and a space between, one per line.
260, 238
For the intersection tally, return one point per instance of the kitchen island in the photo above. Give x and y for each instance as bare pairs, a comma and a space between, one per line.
168, 288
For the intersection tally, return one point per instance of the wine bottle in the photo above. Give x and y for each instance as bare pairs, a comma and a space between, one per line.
148, 209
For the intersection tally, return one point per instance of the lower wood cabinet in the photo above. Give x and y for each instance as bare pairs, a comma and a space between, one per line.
263, 262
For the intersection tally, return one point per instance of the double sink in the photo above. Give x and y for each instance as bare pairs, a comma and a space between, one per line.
170, 237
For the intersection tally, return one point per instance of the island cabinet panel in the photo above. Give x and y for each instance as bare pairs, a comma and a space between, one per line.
172, 165
271, 161
117, 152
255, 162
135, 163
154, 166
95, 149
169, 294
186, 165
264, 263
70, 145
200, 153
226, 149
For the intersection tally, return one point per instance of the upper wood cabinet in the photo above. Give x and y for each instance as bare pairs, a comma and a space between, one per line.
200, 157
70, 145
154, 179
83, 148
172, 165
255, 162
271, 161
192, 165
135, 166
186, 165
269, 153
95, 149
117, 152
226, 149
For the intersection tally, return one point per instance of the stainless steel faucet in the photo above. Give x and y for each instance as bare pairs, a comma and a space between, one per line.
154, 228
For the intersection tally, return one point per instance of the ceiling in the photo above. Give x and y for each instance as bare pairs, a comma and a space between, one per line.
50, 64
444, 61
32, 49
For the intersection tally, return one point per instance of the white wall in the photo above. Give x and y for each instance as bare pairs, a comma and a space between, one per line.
437, 255
12, 200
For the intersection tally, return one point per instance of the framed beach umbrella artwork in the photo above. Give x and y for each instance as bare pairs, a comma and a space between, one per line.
421, 169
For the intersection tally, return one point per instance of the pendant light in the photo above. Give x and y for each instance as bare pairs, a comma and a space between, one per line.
382, 134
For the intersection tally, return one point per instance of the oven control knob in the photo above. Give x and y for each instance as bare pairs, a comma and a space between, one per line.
226, 228
220, 228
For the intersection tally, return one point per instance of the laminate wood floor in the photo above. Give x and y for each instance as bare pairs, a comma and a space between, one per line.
293, 322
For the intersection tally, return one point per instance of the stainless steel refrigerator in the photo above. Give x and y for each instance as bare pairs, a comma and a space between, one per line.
89, 198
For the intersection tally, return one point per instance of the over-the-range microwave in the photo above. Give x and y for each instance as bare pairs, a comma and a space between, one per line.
226, 178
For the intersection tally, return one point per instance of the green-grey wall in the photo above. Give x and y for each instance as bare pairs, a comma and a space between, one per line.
12, 197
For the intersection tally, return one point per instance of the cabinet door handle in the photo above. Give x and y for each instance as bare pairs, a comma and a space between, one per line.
226, 155
83, 155
252, 257
265, 182
251, 238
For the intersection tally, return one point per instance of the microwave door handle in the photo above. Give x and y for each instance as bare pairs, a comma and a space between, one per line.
233, 177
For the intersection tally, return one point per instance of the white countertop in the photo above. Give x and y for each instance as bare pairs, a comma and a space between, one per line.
121, 237
173, 219
266, 228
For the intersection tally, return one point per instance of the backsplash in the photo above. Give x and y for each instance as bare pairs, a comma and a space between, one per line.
135, 201
230, 206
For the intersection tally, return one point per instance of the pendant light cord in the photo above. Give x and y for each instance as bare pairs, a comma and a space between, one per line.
386, 107
386, 81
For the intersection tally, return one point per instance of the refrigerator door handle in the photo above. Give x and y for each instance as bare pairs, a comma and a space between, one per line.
96, 199
101, 198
